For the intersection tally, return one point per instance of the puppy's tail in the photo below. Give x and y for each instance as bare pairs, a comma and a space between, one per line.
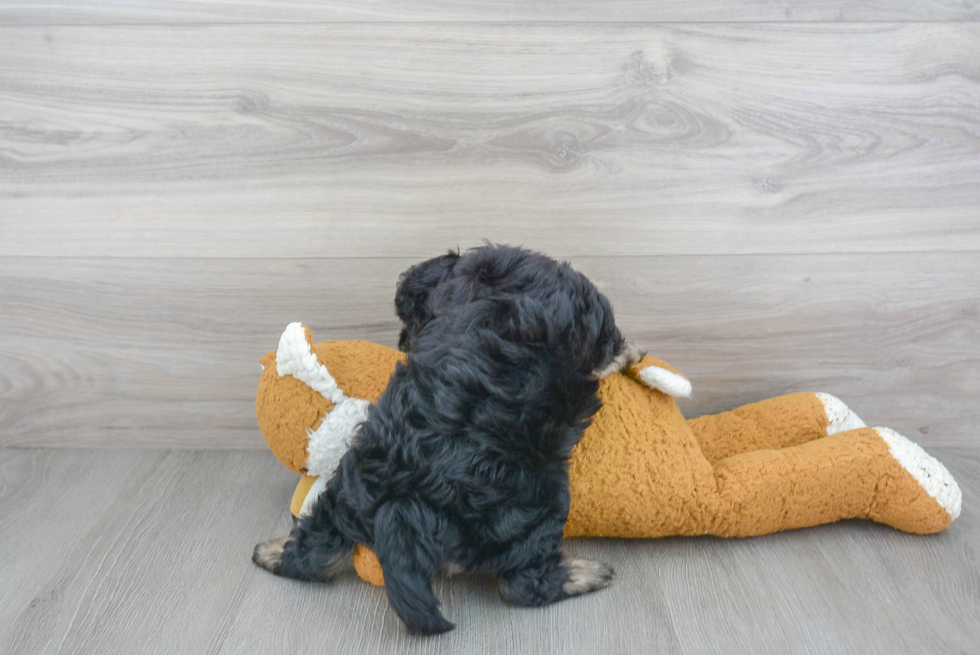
407, 541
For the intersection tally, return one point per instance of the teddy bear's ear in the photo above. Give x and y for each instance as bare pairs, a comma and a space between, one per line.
287, 408
295, 357
327, 444
658, 374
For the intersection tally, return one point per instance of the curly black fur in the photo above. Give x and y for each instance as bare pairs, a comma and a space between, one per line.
464, 458
413, 295
573, 306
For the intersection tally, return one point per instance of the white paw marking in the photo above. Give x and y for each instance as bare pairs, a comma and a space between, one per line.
585, 576
268, 554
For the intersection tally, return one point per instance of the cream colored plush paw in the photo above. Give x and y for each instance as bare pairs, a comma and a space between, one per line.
929, 472
666, 381
840, 418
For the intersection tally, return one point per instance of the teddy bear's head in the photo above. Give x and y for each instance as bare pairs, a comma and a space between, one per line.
312, 398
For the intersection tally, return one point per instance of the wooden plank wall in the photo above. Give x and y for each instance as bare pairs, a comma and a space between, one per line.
776, 196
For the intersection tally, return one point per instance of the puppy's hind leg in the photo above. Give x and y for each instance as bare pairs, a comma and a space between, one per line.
314, 550
407, 541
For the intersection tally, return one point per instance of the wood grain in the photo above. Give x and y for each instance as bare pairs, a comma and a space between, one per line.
42, 514
165, 352
349, 616
164, 568
777, 593
946, 591
365, 140
55, 12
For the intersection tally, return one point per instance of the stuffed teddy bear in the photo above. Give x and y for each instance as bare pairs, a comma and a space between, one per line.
641, 469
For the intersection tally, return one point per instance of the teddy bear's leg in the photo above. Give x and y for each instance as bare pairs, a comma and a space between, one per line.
780, 422
871, 473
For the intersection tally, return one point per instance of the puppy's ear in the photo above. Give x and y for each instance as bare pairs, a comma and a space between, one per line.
414, 292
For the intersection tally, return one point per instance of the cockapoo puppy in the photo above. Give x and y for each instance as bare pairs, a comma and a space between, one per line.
463, 461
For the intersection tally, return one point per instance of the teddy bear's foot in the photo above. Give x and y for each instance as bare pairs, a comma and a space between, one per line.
925, 500
839, 417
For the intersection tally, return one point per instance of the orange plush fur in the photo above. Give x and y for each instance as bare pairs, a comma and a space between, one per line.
641, 469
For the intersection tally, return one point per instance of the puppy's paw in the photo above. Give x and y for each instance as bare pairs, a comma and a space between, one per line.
268, 554
585, 576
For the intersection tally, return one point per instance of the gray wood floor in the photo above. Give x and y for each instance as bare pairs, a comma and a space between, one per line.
142, 551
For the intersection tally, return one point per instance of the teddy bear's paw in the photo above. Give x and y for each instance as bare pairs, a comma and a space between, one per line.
928, 471
268, 554
665, 381
839, 417
585, 575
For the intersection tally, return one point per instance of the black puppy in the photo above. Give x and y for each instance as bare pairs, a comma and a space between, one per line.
463, 461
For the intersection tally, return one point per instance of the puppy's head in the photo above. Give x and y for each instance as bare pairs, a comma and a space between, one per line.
414, 293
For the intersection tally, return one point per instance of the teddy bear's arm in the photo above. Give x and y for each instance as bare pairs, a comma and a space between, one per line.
780, 422
658, 374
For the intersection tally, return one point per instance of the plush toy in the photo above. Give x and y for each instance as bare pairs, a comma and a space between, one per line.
641, 469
